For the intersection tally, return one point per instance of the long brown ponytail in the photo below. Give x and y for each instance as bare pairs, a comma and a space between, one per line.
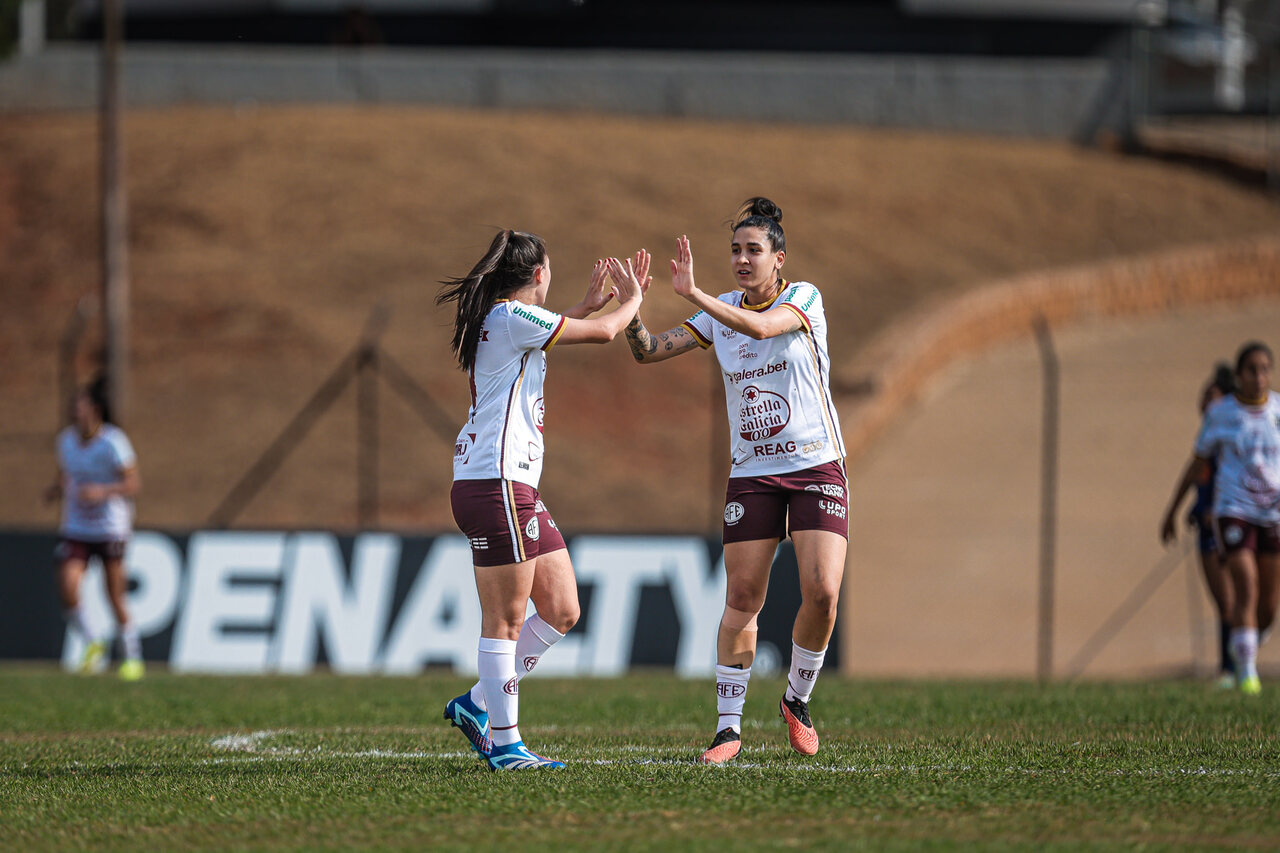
506, 267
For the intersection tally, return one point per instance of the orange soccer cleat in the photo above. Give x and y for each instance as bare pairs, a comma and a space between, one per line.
800, 732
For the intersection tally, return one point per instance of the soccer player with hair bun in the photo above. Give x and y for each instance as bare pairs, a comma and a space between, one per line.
1241, 435
502, 334
788, 475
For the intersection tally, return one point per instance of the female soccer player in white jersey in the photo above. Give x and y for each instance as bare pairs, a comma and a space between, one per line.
788, 475
1241, 433
501, 337
97, 481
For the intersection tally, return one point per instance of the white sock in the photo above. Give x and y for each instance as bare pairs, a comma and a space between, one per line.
731, 695
131, 641
1244, 651
805, 666
497, 664
75, 618
535, 638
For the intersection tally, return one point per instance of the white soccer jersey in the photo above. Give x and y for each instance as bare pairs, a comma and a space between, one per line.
502, 438
1245, 441
778, 393
98, 461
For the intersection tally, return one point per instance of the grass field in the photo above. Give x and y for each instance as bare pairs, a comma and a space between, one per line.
329, 762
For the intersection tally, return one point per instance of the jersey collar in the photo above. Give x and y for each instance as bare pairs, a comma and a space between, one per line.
1244, 401
781, 290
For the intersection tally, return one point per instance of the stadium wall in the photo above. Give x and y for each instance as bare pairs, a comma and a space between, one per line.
276, 601
894, 368
1018, 96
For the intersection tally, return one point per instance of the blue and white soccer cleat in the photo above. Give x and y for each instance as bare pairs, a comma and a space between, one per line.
464, 714
516, 756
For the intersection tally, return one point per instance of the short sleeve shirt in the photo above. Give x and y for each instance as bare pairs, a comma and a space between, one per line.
101, 460
1244, 440
777, 391
502, 438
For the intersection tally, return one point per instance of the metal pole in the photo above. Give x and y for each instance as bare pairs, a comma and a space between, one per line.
68, 346
1048, 500
115, 268
367, 437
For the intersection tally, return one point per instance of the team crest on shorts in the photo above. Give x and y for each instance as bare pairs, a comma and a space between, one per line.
1233, 534
733, 512
531, 529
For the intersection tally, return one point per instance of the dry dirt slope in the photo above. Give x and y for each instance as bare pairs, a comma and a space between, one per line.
262, 238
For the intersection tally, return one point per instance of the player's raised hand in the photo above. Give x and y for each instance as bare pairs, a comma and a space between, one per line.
682, 268
641, 264
626, 286
598, 291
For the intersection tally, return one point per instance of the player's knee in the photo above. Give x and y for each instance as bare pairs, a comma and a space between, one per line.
824, 600
563, 618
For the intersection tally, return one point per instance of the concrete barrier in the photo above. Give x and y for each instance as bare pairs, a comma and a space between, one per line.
1028, 97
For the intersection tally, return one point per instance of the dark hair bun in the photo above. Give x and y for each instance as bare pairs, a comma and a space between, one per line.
758, 206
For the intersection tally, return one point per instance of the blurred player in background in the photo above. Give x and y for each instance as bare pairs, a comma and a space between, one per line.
97, 481
1241, 434
788, 476
1216, 575
502, 333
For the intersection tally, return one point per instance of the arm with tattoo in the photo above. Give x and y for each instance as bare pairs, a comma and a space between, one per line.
646, 348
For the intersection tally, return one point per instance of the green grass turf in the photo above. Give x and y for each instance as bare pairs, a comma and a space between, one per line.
90, 762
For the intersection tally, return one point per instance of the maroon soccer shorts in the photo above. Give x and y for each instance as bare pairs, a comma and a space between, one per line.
771, 507
505, 521
81, 551
1236, 533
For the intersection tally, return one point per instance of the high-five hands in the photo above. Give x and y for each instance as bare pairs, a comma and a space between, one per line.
682, 268
598, 293
626, 284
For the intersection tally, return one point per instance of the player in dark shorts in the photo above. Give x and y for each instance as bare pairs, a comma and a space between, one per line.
501, 337
97, 482
787, 477
1241, 435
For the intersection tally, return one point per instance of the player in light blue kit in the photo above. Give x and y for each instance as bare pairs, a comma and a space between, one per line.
97, 481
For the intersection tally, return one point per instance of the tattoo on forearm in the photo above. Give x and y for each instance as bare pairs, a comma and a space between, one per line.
639, 339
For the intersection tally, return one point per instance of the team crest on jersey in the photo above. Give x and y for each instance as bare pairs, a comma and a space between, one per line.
733, 512
531, 529
763, 414
539, 413
462, 450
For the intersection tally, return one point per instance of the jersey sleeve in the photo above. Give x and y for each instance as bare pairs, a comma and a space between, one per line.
805, 301
534, 327
122, 450
700, 326
1210, 434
